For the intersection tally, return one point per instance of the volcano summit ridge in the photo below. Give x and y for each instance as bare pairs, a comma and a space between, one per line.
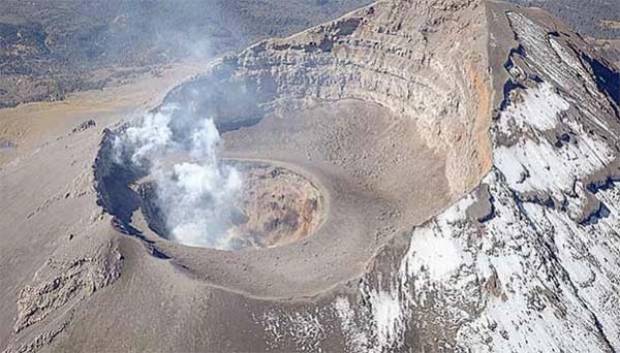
464, 159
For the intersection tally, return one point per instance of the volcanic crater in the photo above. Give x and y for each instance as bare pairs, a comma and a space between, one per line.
344, 153
275, 207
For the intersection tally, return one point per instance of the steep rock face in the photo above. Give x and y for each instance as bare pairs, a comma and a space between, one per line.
529, 260
399, 54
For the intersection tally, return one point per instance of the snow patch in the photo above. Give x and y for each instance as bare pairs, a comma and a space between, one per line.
434, 254
356, 339
539, 166
539, 109
387, 316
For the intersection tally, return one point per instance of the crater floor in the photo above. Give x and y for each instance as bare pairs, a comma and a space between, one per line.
326, 184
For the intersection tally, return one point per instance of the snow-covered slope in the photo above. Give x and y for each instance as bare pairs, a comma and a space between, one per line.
537, 267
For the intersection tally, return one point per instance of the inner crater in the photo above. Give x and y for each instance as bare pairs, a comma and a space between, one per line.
275, 206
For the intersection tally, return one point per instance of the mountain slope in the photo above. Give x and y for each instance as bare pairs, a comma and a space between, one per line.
478, 142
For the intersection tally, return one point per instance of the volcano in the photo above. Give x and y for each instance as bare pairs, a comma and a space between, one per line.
415, 176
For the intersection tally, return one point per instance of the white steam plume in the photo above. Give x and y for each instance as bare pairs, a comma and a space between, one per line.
195, 196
